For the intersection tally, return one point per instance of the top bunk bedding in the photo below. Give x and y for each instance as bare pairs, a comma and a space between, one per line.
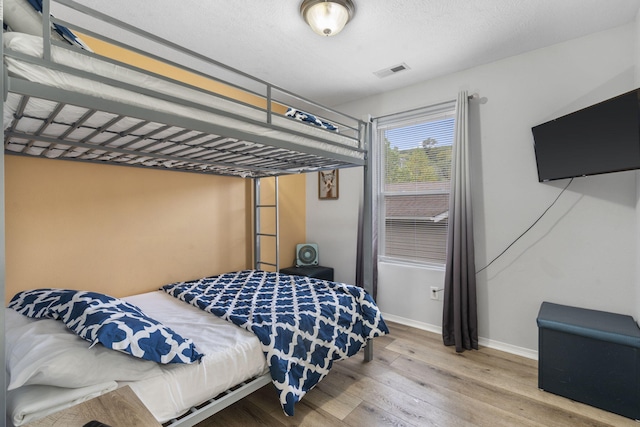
67, 103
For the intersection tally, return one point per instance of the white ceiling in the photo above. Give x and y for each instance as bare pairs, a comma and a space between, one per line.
269, 39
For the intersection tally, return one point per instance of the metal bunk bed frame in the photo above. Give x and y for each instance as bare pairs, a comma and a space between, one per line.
193, 145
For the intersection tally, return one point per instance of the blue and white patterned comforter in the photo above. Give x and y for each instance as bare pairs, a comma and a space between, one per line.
303, 324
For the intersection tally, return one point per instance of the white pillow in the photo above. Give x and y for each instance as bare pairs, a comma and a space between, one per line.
33, 402
21, 17
44, 351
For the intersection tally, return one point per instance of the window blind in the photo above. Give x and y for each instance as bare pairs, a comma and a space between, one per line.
414, 183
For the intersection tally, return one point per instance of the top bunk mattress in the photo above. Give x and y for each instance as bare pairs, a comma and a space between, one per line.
175, 115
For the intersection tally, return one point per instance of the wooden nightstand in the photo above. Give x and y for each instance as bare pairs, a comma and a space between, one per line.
119, 408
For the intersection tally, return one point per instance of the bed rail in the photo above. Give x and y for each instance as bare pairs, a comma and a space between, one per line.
218, 403
217, 120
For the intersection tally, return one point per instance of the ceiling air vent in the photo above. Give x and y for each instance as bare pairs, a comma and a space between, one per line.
392, 70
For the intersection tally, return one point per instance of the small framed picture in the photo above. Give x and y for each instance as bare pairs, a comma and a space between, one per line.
328, 184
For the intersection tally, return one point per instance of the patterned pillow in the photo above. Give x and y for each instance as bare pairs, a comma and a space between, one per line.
38, 303
303, 116
64, 32
114, 323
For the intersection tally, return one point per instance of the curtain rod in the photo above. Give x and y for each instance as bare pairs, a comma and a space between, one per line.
452, 101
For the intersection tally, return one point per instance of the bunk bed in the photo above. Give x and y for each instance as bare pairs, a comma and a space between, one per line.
64, 102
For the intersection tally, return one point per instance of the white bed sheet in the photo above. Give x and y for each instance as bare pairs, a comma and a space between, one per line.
32, 402
32, 45
231, 355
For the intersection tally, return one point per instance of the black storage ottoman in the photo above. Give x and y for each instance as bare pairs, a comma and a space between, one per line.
591, 357
315, 271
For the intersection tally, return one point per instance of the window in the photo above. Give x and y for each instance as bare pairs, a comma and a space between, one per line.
414, 178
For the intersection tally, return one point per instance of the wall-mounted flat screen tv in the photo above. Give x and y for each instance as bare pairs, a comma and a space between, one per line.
602, 138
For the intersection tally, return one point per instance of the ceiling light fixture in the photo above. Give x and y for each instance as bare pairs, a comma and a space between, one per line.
327, 18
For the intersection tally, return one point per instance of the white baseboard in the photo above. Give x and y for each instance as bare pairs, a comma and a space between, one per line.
508, 348
497, 345
413, 323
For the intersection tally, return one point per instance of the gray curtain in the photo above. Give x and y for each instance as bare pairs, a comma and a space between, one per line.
460, 320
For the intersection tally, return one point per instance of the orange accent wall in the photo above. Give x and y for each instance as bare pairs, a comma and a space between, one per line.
291, 194
293, 225
118, 230
122, 230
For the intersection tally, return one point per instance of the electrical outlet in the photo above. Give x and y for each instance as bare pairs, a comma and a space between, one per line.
434, 292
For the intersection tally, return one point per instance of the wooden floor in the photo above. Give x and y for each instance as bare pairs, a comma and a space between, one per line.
415, 381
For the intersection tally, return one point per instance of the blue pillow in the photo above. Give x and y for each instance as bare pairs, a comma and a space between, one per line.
114, 323
37, 303
303, 116
64, 32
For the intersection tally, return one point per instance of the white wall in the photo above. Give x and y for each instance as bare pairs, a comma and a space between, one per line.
583, 252
333, 223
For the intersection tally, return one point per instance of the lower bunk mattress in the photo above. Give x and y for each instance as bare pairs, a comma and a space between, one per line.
237, 326
50, 362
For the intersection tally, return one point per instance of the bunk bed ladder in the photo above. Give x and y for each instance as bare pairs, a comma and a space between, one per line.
264, 258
